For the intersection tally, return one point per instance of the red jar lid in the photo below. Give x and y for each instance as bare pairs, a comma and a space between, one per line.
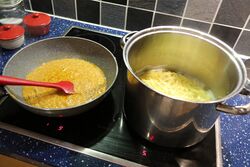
37, 19
10, 31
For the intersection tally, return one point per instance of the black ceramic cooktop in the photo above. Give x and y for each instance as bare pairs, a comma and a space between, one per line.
104, 128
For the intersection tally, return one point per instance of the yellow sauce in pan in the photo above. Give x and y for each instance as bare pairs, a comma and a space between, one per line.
88, 79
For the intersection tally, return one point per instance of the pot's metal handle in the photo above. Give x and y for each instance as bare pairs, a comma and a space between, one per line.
125, 38
235, 110
244, 109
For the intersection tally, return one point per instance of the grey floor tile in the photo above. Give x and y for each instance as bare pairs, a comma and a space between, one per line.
243, 45
171, 6
65, 8
113, 15
233, 12
196, 25
202, 9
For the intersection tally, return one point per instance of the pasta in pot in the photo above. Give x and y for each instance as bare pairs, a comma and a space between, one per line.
177, 85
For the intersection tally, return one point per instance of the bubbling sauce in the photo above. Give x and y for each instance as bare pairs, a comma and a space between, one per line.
88, 79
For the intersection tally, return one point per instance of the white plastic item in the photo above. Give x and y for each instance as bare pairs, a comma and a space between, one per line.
11, 36
13, 43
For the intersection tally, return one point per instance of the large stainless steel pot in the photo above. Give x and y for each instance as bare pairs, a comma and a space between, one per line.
170, 121
46, 50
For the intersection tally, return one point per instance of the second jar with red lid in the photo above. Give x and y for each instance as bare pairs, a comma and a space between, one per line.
37, 23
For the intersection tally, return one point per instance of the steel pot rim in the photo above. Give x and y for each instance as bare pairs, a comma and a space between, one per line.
194, 33
65, 108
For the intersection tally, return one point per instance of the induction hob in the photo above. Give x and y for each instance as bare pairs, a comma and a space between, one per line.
104, 129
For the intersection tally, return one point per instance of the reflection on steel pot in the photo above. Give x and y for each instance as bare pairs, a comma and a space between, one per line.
170, 121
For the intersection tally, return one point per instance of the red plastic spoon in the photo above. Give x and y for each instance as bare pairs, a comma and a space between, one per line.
65, 86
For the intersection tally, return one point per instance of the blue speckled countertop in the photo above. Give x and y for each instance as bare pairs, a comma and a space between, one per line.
235, 131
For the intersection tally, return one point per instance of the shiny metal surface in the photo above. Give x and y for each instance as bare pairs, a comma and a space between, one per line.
170, 121
246, 60
239, 110
125, 38
43, 51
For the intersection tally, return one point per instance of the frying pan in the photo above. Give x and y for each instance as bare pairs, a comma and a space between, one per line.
34, 55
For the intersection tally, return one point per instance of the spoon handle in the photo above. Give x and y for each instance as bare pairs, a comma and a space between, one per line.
6, 80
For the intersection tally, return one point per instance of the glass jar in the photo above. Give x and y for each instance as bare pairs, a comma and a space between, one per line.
11, 11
